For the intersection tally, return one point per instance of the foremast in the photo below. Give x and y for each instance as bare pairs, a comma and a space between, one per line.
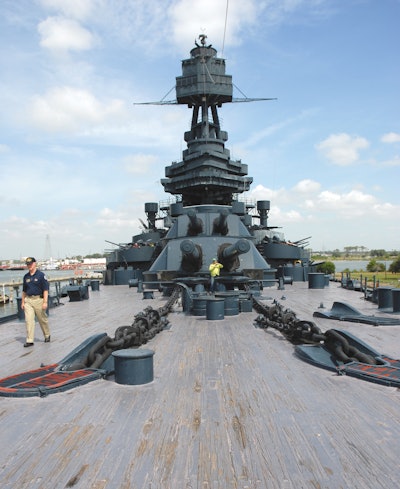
207, 174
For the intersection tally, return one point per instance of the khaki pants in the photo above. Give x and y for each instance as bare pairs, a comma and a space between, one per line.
32, 307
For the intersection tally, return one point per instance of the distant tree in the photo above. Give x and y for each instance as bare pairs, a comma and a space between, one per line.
351, 250
395, 266
347, 250
378, 253
374, 266
328, 267
336, 253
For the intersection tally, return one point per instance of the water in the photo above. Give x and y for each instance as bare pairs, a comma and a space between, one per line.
10, 276
356, 265
7, 276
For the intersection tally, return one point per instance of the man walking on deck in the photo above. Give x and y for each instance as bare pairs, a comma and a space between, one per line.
35, 293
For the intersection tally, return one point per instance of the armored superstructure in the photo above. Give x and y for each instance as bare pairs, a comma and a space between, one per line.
208, 219
128, 260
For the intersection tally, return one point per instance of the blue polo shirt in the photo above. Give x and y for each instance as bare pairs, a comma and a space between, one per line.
35, 284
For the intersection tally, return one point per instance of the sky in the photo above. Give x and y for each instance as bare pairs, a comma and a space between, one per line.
78, 158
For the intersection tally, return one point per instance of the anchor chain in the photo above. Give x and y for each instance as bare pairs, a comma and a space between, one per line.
149, 322
299, 331
145, 326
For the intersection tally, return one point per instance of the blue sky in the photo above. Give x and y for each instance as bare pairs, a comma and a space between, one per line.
78, 159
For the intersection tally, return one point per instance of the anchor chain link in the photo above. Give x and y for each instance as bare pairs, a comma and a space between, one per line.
145, 326
299, 331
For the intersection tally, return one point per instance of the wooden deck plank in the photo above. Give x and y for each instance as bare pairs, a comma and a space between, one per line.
230, 407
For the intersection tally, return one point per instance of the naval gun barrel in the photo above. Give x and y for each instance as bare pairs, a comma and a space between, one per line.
301, 240
241, 246
228, 254
192, 256
116, 244
189, 248
220, 226
195, 226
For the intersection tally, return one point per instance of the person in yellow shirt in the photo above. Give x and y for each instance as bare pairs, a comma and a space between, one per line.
214, 268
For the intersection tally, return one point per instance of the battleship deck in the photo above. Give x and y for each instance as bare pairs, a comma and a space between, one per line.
230, 405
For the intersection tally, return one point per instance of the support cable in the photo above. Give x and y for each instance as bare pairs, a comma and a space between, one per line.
226, 21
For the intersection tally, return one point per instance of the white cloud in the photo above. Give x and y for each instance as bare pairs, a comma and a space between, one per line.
293, 216
208, 16
278, 11
309, 204
4, 148
347, 205
71, 110
80, 123
61, 34
179, 21
385, 209
328, 199
395, 161
302, 194
390, 137
139, 164
111, 219
77, 9
257, 137
263, 193
342, 149
307, 186
322, 204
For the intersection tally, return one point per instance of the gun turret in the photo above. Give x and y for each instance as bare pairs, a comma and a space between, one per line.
220, 225
195, 226
192, 256
228, 254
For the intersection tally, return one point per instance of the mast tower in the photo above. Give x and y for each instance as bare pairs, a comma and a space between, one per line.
207, 174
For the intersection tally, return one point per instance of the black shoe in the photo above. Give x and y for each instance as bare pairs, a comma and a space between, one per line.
27, 344
47, 340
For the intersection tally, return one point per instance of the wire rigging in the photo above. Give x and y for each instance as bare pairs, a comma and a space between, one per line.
226, 21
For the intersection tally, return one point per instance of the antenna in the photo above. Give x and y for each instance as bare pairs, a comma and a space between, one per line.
47, 248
